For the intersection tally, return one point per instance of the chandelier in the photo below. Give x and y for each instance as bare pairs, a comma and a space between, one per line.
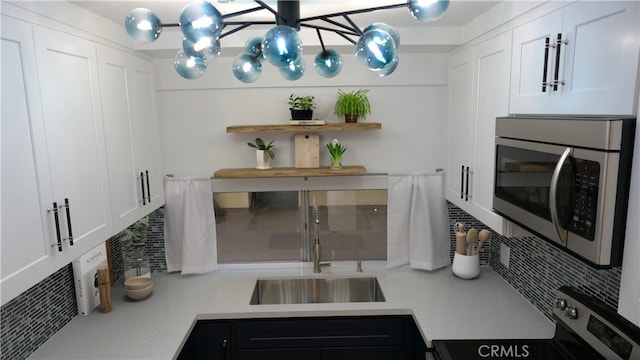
203, 26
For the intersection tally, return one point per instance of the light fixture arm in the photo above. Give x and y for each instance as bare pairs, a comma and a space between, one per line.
336, 31
324, 51
355, 27
246, 11
353, 12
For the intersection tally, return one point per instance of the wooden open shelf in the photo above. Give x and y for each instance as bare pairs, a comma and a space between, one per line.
288, 172
303, 128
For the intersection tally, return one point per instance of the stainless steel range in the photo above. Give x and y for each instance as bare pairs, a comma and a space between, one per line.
585, 330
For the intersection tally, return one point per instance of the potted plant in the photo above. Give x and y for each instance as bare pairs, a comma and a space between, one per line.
352, 105
132, 241
336, 150
264, 154
301, 107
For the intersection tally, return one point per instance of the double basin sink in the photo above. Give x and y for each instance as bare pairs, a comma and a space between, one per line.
317, 290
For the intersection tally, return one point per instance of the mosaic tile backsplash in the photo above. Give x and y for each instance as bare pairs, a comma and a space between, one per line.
536, 270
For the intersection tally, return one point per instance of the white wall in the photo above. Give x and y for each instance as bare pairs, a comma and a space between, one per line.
411, 105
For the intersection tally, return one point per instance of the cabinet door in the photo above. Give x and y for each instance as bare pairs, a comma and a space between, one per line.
27, 256
601, 57
124, 178
209, 340
146, 145
532, 66
461, 126
128, 103
491, 83
68, 74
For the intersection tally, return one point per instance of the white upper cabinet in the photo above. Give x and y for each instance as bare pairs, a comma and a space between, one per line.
479, 92
461, 126
27, 255
128, 100
68, 75
147, 144
582, 59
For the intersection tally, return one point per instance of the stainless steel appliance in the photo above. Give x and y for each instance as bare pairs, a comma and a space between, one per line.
566, 179
584, 330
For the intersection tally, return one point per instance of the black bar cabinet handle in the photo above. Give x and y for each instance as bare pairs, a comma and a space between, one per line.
546, 62
557, 66
466, 191
462, 182
148, 188
57, 222
68, 208
144, 199
226, 350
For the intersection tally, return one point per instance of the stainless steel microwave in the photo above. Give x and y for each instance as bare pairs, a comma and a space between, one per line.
566, 179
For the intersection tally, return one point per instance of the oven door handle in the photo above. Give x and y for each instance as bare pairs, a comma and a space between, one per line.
562, 232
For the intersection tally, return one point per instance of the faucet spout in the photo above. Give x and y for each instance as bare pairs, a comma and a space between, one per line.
317, 250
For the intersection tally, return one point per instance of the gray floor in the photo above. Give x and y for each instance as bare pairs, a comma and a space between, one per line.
265, 234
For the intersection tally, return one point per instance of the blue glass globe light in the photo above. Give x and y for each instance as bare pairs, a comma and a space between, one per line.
282, 45
247, 68
375, 49
189, 67
254, 46
428, 10
204, 48
328, 63
293, 70
143, 25
200, 19
390, 68
384, 27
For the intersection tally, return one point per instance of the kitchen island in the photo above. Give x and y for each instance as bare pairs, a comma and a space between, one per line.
443, 306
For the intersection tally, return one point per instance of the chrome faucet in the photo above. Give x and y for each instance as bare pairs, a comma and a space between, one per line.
317, 250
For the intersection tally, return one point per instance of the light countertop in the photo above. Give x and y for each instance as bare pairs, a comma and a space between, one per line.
443, 306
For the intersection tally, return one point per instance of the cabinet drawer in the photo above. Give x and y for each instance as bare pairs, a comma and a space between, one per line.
279, 354
315, 332
363, 353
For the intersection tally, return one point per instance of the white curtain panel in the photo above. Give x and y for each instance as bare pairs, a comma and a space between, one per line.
417, 221
189, 228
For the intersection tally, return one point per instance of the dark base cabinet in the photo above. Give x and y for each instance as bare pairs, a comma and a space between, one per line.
309, 338
208, 340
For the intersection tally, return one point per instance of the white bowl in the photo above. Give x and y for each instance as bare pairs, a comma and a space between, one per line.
466, 267
137, 283
139, 294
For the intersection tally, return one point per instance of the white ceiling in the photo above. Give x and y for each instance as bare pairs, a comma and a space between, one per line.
460, 12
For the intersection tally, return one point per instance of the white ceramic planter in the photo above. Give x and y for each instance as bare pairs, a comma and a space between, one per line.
263, 160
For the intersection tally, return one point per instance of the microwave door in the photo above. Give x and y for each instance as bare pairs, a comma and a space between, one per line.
522, 186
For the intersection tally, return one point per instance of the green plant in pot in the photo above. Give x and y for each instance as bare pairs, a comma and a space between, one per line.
132, 241
352, 105
301, 107
336, 150
264, 153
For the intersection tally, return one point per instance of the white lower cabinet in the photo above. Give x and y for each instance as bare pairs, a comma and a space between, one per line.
479, 92
128, 100
27, 255
581, 59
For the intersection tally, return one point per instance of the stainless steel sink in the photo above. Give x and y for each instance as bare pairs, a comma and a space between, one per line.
316, 290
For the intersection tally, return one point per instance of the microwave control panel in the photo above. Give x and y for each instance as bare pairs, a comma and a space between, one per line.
586, 180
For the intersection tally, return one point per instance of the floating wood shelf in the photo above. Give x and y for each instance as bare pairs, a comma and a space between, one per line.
288, 172
303, 128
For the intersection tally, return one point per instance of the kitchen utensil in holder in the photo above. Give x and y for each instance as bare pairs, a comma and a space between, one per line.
466, 266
